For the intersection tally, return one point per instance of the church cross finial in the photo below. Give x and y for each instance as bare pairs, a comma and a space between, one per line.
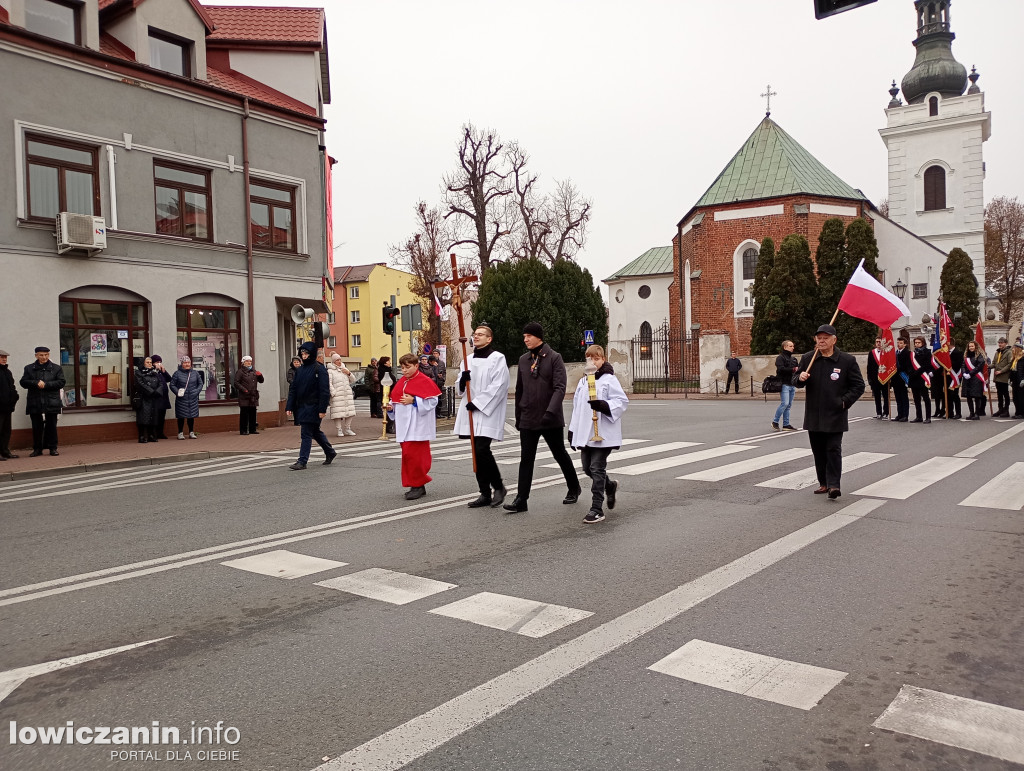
768, 94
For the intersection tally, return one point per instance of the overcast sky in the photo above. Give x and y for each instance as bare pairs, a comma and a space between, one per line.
640, 103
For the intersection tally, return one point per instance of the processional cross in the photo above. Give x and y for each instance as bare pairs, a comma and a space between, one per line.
768, 94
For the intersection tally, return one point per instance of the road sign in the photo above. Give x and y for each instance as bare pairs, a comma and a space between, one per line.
588, 336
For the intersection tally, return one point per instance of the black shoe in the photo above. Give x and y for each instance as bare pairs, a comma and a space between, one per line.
917, 420
790, 428
879, 417
3, 458
479, 503
415, 492
243, 433
162, 436
927, 420
594, 515
833, 493
298, 466
572, 496
142, 440
329, 459
901, 420
54, 452
9, 456
517, 505
35, 453
498, 497
611, 489
974, 417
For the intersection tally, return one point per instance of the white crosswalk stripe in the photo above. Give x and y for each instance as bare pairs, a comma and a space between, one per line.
746, 466
512, 614
1004, 491
808, 477
682, 460
640, 452
913, 480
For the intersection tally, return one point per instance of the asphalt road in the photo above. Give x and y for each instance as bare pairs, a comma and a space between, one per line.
725, 621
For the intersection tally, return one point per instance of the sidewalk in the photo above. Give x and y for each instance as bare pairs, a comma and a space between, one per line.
75, 459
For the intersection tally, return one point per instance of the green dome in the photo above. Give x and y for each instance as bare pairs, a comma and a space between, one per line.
935, 69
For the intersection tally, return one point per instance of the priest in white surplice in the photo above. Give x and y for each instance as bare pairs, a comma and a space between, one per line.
488, 386
413, 401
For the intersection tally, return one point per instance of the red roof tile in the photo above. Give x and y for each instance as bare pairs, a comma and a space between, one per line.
4, 18
237, 83
111, 46
250, 24
131, 4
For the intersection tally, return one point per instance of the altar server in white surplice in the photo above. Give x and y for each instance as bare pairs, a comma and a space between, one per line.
488, 386
413, 401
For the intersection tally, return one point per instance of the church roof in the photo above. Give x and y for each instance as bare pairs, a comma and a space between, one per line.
770, 164
651, 263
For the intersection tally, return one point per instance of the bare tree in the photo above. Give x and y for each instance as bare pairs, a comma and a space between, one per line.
1004, 252
570, 214
883, 207
475, 193
425, 255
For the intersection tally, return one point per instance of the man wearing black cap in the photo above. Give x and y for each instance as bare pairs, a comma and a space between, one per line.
833, 383
540, 389
43, 381
8, 398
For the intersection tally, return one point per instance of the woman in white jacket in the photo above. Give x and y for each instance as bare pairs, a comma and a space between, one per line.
609, 405
343, 404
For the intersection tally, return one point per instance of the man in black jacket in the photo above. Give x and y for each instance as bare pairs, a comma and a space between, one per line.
733, 367
540, 389
902, 380
8, 398
833, 382
878, 389
956, 358
785, 366
43, 380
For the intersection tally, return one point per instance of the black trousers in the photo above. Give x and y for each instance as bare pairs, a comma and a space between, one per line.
1003, 393
1018, 402
555, 440
487, 474
161, 419
375, 405
899, 392
976, 404
881, 394
247, 420
922, 393
5, 433
954, 402
827, 447
191, 425
595, 464
733, 376
44, 431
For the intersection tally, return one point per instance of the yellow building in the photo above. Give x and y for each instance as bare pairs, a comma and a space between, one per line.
360, 293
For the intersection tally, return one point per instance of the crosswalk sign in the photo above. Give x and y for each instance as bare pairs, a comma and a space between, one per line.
588, 336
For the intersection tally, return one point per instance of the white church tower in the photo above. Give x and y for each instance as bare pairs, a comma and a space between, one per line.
936, 168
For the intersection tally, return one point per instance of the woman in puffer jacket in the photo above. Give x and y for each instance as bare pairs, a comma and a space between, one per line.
343, 404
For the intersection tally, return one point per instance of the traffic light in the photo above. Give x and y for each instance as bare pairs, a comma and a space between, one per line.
824, 8
389, 312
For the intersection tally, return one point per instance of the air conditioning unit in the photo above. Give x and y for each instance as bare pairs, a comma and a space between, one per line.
80, 231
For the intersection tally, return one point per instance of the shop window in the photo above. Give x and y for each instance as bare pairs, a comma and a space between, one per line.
57, 19
62, 176
210, 337
182, 201
100, 344
272, 213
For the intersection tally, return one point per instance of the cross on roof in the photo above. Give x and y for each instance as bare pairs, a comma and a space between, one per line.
768, 94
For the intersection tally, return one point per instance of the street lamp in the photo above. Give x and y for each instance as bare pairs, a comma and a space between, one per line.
899, 289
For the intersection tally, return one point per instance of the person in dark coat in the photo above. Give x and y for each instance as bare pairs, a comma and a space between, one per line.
43, 379
440, 377
956, 358
293, 368
733, 367
879, 389
386, 379
901, 380
785, 365
164, 402
148, 400
372, 379
833, 384
974, 382
1017, 379
1002, 362
247, 380
540, 389
308, 398
920, 377
8, 399
186, 384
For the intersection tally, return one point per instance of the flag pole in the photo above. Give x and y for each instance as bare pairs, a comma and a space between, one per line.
945, 392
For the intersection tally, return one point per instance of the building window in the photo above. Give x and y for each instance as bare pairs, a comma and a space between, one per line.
357, 341
646, 341
272, 211
182, 201
934, 188
933, 106
57, 19
169, 54
749, 264
332, 342
644, 292
353, 292
354, 316
62, 176
209, 336
331, 318
920, 291
100, 343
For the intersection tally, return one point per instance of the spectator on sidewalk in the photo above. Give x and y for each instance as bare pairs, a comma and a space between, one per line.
247, 386
372, 379
786, 365
733, 367
343, 404
147, 400
386, 378
296, 362
43, 380
440, 376
186, 384
164, 402
8, 399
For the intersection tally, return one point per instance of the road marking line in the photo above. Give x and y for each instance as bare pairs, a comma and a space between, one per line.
512, 614
730, 470
681, 460
424, 733
1004, 491
975, 450
750, 674
518, 448
387, 586
640, 452
346, 453
808, 477
967, 724
282, 563
913, 480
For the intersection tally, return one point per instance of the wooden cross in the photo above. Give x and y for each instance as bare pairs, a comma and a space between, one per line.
768, 94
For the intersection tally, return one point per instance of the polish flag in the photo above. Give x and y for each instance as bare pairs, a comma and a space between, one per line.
866, 299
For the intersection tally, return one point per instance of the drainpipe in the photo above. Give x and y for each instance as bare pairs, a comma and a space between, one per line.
112, 179
248, 226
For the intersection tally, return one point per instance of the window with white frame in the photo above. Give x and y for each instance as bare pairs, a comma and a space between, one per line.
920, 291
357, 341
354, 317
332, 342
57, 19
353, 292
62, 176
331, 318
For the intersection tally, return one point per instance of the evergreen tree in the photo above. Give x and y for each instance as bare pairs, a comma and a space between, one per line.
562, 299
959, 290
790, 295
857, 334
761, 327
831, 263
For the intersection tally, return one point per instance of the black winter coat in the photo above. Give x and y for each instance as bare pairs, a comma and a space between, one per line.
974, 388
8, 391
923, 357
872, 371
785, 365
956, 358
904, 369
46, 399
247, 386
834, 386
310, 391
540, 389
148, 383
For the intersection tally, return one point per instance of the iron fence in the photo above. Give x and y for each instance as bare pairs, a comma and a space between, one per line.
665, 361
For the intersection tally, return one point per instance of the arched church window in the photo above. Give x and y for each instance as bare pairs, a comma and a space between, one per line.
749, 264
934, 188
933, 106
646, 341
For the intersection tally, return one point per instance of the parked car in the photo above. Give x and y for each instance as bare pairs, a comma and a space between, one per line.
359, 388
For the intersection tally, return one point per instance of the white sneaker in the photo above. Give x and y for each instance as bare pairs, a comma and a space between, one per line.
181, 435
193, 435
341, 433
349, 432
